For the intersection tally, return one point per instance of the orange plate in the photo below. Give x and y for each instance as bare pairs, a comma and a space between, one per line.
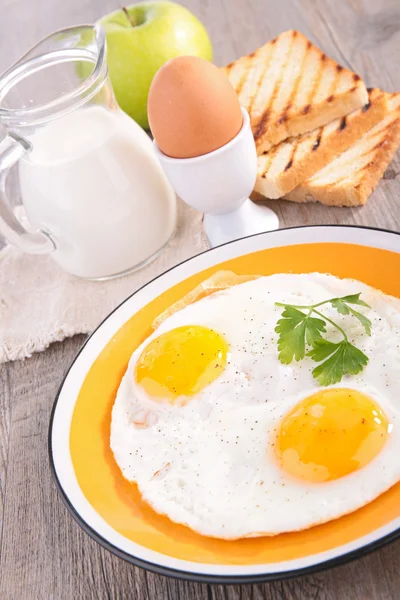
120, 504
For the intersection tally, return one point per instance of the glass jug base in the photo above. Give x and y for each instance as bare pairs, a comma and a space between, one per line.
144, 263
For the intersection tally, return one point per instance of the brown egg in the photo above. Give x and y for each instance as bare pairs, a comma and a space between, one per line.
192, 107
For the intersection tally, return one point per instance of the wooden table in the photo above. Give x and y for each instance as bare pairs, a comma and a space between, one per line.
44, 554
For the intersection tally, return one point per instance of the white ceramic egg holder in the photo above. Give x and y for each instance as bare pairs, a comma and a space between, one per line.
219, 184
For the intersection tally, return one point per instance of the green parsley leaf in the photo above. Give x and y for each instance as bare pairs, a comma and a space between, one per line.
291, 318
356, 360
341, 305
292, 344
354, 299
314, 327
346, 359
331, 371
294, 329
322, 349
365, 322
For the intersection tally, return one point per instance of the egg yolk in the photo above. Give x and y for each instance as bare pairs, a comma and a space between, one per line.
331, 434
181, 362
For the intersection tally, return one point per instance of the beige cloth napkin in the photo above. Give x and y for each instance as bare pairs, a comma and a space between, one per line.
41, 304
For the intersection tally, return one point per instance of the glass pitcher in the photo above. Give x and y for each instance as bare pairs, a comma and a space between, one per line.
93, 191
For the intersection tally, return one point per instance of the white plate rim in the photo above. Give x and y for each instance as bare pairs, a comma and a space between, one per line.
58, 441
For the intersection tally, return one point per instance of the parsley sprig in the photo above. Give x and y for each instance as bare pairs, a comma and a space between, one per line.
298, 330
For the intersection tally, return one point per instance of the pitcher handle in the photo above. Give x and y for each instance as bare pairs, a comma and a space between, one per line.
12, 148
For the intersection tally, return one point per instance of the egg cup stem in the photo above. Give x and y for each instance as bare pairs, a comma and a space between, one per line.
248, 219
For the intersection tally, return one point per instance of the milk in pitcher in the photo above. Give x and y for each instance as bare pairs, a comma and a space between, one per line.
93, 183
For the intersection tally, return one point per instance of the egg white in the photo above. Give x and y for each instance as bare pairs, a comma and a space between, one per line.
209, 463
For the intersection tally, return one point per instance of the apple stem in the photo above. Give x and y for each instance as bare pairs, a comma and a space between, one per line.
128, 16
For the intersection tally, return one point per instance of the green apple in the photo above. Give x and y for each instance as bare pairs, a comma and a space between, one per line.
140, 39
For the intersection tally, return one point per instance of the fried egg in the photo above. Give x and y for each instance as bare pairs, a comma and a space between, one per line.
223, 438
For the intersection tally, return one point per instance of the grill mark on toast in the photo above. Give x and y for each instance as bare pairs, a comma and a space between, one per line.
270, 156
261, 126
379, 144
296, 84
337, 181
248, 72
291, 160
335, 82
241, 83
368, 165
371, 150
344, 178
243, 75
288, 165
283, 118
266, 68
317, 141
307, 107
342, 124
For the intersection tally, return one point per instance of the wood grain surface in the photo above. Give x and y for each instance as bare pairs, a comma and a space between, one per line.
44, 554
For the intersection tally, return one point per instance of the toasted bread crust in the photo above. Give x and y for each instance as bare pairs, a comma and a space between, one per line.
290, 163
368, 158
289, 87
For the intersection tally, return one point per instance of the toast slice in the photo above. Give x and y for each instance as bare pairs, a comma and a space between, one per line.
291, 162
352, 177
290, 87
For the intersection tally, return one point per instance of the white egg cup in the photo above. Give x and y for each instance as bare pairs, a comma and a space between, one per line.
219, 184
